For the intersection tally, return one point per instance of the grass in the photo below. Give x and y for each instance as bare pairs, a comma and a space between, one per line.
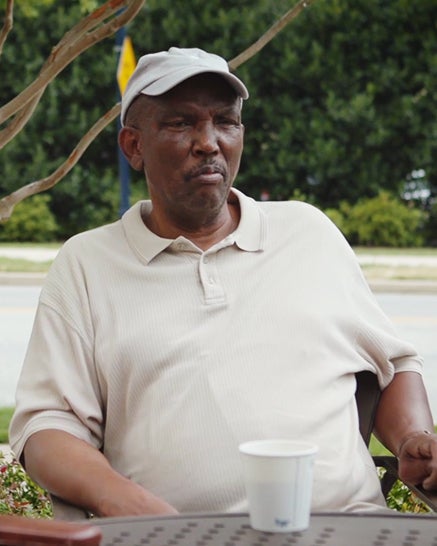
18, 265
5, 417
381, 251
399, 272
376, 448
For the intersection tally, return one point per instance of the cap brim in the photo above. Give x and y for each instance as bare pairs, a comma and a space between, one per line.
164, 84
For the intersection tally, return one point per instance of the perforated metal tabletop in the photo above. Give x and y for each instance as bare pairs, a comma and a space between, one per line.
234, 530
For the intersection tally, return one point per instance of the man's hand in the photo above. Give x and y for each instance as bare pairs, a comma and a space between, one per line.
402, 423
126, 498
418, 460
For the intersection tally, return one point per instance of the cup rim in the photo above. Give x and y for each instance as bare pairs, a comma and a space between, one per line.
284, 448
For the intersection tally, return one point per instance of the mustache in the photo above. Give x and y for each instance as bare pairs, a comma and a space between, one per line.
206, 168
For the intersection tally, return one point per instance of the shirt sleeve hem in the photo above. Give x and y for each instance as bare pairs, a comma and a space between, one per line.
54, 420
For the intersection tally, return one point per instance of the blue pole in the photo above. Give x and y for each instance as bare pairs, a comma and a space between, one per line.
123, 165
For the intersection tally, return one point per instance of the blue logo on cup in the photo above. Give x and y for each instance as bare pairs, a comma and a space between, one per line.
282, 522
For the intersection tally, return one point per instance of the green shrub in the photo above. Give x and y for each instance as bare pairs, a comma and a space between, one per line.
31, 221
337, 217
402, 499
383, 220
19, 495
431, 226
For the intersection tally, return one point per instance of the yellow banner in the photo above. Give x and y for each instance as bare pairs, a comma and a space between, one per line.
126, 64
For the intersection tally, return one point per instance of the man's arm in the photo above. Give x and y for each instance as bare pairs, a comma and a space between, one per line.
405, 426
78, 473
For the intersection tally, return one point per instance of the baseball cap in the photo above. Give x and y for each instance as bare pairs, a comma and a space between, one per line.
157, 73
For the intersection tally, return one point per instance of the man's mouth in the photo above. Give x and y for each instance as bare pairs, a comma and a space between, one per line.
208, 174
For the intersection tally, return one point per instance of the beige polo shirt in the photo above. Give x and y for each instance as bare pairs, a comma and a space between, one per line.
167, 357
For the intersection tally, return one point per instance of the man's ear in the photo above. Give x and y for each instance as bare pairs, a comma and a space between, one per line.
129, 142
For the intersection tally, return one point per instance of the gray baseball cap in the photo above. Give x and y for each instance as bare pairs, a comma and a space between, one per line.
157, 73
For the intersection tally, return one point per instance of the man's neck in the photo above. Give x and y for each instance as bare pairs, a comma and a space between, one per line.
203, 236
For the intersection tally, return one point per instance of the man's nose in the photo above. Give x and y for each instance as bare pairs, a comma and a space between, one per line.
205, 139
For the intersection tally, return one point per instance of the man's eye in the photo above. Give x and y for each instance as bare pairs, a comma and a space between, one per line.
178, 123
227, 122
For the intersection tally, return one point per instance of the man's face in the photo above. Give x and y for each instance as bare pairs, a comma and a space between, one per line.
190, 141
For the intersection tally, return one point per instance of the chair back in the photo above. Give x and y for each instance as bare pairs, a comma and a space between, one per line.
367, 396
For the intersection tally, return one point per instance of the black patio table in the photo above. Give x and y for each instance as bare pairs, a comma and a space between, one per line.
329, 529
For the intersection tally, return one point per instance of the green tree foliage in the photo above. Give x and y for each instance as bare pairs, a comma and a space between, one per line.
32, 8
342, 101
29, 8
354, 108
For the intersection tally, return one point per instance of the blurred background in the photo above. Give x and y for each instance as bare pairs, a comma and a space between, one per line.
342, 113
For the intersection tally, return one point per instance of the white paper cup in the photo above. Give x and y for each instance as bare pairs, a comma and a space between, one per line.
278, 476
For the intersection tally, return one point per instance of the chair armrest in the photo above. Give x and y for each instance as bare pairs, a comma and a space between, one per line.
390, 463
62, 510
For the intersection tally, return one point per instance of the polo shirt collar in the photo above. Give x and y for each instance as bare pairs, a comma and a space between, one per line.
250, 234
251, 231
144, 243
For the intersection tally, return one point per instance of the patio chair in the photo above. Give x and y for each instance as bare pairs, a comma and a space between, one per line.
367, 396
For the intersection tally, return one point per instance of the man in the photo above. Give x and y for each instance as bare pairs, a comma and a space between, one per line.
203, 319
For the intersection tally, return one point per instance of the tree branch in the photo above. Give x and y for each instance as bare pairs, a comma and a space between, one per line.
8, 203
270, 34
7, 25
19, 120
72, 45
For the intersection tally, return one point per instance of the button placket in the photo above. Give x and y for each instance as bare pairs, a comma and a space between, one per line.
212, 288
